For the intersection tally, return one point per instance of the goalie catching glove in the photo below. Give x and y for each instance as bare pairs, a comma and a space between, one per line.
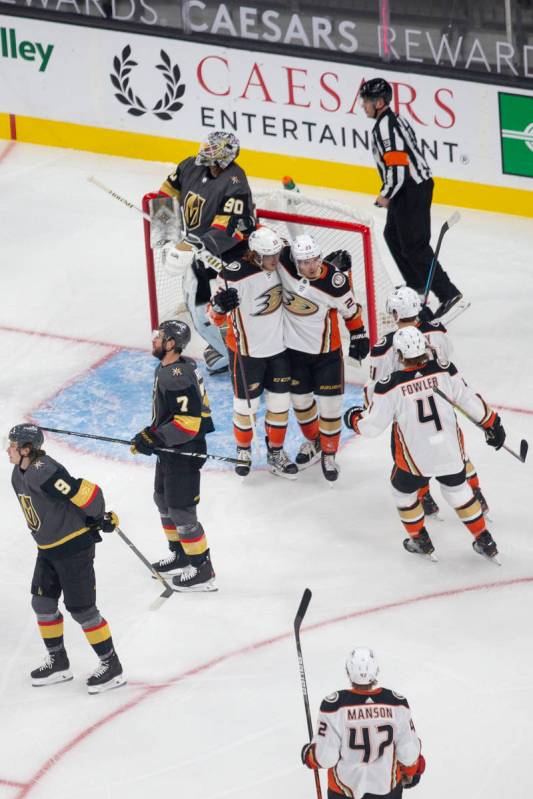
144, 443
359, 344
176, 258
225, 301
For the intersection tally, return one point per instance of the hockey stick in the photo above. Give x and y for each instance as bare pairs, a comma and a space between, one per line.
300, 613
168, 588
450, 222
524, 446
200, 249
128, 443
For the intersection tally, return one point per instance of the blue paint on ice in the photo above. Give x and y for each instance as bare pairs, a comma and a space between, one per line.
114, 399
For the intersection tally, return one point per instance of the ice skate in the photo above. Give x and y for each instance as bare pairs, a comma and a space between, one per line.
330, 468
195, 578
486, 545
107, 676
280, 463
56, 668
308, 454
171, 565
420, 544
245, 456
451, 309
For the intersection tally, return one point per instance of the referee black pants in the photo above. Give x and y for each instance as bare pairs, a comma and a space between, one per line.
408, 232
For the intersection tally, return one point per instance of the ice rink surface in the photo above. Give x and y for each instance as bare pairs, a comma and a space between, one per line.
213, 705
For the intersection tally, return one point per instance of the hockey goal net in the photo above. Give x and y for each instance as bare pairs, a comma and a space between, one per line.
336, 226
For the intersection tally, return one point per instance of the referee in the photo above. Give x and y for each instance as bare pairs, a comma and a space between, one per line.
406, 194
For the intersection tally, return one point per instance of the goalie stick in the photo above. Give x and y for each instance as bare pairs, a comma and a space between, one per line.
128, 443
300, 613
524, 446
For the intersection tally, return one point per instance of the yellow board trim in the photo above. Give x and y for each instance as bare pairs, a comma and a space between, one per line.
126, 144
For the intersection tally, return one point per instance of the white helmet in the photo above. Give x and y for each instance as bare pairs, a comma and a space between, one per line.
409, 342
305, 247
265, 241
403, 303
361, 666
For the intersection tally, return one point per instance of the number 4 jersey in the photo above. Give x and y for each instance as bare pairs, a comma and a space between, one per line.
364, 738
426, 439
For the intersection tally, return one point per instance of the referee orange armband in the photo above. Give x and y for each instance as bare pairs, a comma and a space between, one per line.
396, 158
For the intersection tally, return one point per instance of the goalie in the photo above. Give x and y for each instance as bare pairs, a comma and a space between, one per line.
215, 201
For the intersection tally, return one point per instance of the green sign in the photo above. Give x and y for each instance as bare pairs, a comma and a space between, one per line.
516, 131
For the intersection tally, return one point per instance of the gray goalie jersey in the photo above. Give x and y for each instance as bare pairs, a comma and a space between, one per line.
58, 508
209, 203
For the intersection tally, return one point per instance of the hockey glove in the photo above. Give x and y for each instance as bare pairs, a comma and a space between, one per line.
144, 442
341, 259
494, 433
352, 416
242, 224
359, 344
108, 522
308, 756
410, 781
425, 314
225, 300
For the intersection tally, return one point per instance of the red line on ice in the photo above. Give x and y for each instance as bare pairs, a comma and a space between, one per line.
150, 690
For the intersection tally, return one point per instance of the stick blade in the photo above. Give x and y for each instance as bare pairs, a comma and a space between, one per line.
453, 219
524, 446
302, 609
161, 599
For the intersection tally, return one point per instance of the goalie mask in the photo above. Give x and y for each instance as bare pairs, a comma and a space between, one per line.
219, 149
361, 666
403, 303
409, 342
26, 435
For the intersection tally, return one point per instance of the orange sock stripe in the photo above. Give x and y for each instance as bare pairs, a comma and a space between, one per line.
330, 443
310, 430
477, 526
275, 435
413, 528
423, 491
243, 437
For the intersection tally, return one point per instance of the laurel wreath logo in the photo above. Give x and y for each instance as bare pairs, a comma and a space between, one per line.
167, 105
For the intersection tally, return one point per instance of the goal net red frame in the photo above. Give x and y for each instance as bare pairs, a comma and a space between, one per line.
335, 226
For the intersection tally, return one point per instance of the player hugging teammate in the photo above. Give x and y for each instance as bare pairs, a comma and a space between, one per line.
282, 304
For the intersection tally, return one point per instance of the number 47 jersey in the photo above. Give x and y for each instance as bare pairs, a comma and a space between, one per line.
363, 738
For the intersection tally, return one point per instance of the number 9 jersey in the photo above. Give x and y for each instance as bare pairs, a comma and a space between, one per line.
366, 740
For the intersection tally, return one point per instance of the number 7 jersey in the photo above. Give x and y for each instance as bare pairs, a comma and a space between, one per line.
362, 738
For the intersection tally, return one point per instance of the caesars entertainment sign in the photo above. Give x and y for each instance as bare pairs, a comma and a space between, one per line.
278, 104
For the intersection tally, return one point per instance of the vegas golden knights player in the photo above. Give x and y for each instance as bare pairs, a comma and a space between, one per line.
216, 201
65, 515
181, 418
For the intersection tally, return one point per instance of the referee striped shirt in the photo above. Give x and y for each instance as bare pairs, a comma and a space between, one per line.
397, 154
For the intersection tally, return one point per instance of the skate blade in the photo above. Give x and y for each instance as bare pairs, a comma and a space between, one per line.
435, 517
454, 312
284, 474
53, 679
208, 587
303, 466
116, 682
